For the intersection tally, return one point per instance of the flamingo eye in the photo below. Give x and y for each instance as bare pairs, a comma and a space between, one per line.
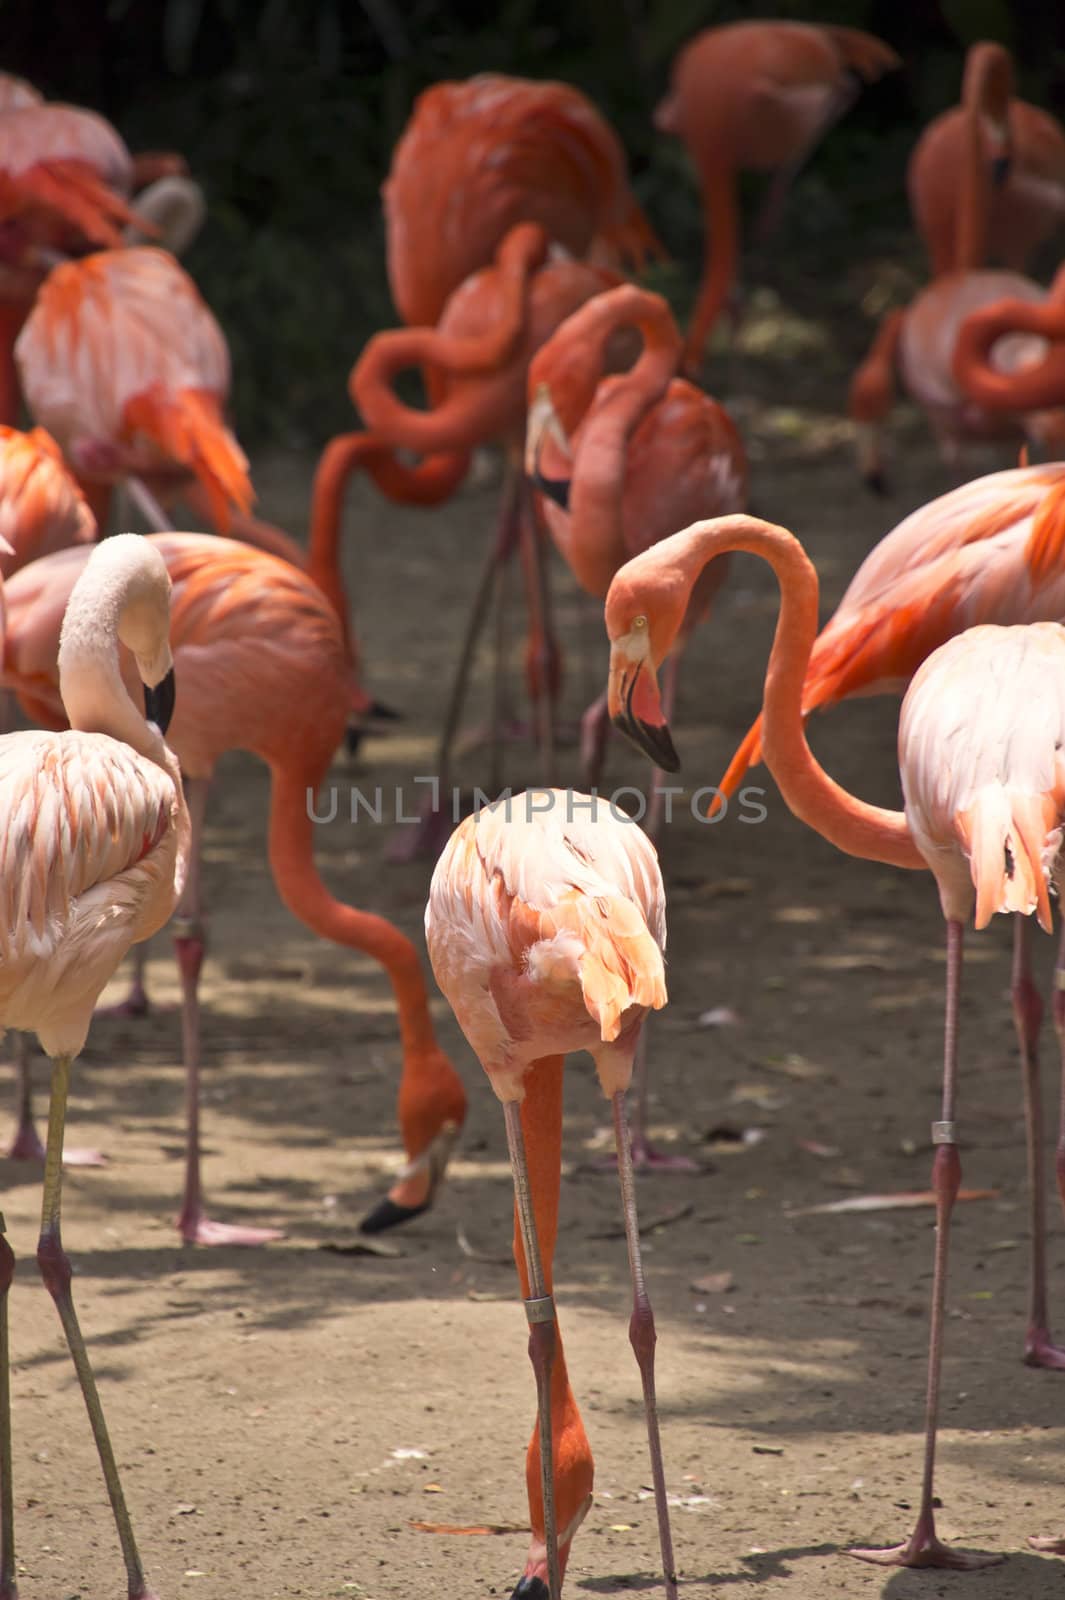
639, 622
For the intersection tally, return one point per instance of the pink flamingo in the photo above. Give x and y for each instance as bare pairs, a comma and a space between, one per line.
546, 925
980, 753
99, 816
263, 668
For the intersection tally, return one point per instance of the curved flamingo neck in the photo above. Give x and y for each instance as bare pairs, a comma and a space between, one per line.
598, 482
721, 225
985, 93
1031, 388
465, 419
293, 796
429, 483
850, 824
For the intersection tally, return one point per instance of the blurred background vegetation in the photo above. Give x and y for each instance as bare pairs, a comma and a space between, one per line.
287, 111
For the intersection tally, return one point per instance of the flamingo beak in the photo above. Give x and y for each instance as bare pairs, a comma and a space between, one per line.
159, 701
543, 424
634, 703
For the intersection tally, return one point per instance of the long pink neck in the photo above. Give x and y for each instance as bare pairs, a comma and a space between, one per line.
1031, 388
721, 246
840, 817
471, 416
985, 92
597, 548
293, 796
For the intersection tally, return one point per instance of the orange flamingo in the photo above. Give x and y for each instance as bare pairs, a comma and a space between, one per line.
123, 362
263, 668
921, 341
95, 837
980, 740
756, 95
1023, 149
546, 926
475, 363
991, 551
623, 461
480, 156
41, 507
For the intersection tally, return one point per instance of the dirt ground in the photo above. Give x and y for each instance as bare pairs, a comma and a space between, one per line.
286, 1417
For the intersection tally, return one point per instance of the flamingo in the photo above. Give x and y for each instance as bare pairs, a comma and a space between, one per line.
124, 364
41, 507
479, 156
921, 340
263, 669
546, 927
95, 837
982, 728
1023, 146
475, 363
991, 551
623, 461
756, 95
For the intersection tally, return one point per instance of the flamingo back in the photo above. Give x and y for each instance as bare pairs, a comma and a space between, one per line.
41, 507
981, 741
546, 928
68, 161
92, 850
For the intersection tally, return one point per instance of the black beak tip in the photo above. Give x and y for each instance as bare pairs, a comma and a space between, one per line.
1000, 170
159, 701
531, 1589
387, 1214
651, 741
353, 737
379, 712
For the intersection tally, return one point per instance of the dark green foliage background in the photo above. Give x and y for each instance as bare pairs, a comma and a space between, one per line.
287, 111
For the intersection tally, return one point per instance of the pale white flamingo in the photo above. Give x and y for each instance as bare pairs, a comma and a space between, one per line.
546, 924
94, 839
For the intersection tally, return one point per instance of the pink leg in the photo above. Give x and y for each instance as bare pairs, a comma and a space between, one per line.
136, 1003
595, 731
1039, 1348
27, 1145
923, 1548
7, 1504
1053, 1543
643, 1338
427, 838
189, 945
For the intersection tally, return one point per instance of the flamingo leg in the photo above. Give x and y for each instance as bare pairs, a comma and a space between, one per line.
545, 658
540, 1311
1052, 1543
190, 944
642, 1337
27, 1145
595, 731
7, 1502
435, 822
136, 1003
1039, 1348
923, 1548
55, 1271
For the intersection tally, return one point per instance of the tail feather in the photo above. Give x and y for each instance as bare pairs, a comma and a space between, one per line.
1011, 839
187, 426
869, 57
621, 965
748, 754
77, 194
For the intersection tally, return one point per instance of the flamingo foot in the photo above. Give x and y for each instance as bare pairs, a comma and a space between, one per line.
645, 1158
1053, 1546
26, 1146
388, 1213
924, 1549
201, 1230
1041, 1351
136, 1004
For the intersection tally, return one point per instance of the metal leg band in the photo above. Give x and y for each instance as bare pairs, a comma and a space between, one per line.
540, 1309
943, 1133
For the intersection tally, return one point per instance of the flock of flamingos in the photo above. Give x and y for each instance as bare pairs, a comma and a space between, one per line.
511, 227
